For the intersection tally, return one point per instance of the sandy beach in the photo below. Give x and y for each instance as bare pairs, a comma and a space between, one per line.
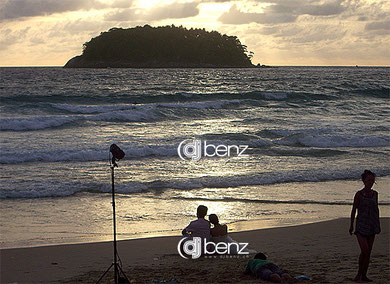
323, 251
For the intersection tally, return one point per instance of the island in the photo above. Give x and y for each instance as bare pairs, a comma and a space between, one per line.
162, 47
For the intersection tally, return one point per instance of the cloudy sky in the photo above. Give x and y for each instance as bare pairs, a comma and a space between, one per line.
279, 32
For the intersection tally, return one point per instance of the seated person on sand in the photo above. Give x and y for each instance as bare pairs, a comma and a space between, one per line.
200, 227
264, 269
219, 233
218, 230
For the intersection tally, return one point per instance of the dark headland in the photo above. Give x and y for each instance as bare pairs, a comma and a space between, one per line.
162, 47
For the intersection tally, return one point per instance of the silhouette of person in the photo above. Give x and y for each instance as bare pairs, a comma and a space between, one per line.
200, 227
218, 230
367, 222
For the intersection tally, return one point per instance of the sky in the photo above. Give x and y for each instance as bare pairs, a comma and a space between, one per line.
279, 32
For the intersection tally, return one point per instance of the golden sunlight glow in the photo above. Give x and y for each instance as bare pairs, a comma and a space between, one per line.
214, 9
148, 4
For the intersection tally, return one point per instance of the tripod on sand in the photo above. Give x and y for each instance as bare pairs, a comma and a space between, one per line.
117, 154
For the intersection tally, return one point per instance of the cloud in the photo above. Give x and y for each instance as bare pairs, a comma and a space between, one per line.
129, 14
174, 10
12, 9
171, 11
326, 9
381, 25
82, 25
10, 37
318, 33
122, 4
269, 30
280, 11
215, 1
302, 34
236, 17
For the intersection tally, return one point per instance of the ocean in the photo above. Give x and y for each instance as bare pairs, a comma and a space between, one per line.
309, 131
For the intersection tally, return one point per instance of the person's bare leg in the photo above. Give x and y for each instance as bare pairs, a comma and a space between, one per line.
358, 277
370, 245
364, 249
275, 278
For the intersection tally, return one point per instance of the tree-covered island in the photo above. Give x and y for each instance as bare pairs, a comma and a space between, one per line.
162, 47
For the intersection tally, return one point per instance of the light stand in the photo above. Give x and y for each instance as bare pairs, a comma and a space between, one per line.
117, 154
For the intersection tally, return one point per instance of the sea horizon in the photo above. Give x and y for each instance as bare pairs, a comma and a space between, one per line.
60, 66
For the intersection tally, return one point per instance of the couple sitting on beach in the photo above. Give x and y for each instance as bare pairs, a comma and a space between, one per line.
217, 234
202, 227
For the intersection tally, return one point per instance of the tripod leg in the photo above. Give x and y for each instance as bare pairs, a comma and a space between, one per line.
104, 274
121, 270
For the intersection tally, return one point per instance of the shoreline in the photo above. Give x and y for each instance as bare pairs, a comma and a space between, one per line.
323, 251
72, 223
242, 226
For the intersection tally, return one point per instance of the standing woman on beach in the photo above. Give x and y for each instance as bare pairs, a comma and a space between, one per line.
367, 222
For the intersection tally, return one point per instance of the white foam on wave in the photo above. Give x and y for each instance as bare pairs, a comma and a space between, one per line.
43, 122
100, 154
310, 175
47, 188
55, 188
89, 109
275, 95
332, 141
252, 143
92, 154
125, 115
60, 188
130, 113
286, 132
139, 151
58, 155
201, 105
36, 122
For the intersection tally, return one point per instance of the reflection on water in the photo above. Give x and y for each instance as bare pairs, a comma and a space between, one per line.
87, 217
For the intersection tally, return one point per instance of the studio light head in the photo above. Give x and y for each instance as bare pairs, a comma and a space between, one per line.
117, 154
